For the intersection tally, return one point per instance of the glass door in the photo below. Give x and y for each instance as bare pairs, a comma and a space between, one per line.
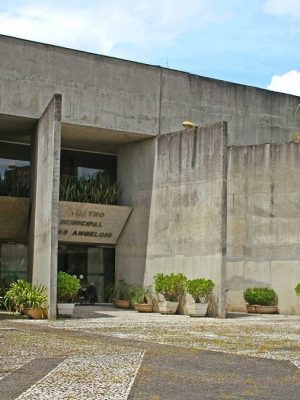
94, 266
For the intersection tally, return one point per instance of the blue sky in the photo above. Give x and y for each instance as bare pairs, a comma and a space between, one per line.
254, 42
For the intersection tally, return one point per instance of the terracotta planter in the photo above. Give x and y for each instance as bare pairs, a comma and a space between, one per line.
35, 313
257, 309
251, 308
65, 310
197, 309
266, 309
121, 304
144, 308
167, 307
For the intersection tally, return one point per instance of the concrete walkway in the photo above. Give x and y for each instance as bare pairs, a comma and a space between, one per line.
116, 354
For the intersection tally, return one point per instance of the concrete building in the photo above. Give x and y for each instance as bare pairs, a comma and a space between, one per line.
219, 201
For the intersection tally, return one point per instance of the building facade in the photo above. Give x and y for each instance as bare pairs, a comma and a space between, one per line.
219, 201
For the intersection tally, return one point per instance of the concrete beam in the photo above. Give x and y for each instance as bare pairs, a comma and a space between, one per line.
45, 167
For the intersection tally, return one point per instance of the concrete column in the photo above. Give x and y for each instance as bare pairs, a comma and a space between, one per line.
45, 199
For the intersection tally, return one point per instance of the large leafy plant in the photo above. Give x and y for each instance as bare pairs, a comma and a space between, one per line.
171, 286
22, 294
262, 296
67, 287
140, 295
297, 289
200, 289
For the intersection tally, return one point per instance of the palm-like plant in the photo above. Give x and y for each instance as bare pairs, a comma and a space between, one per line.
24, 295
94, 189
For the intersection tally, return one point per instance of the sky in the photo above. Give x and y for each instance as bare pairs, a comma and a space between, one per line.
253, 42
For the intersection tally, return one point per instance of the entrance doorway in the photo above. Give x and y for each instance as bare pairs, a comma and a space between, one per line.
94, 266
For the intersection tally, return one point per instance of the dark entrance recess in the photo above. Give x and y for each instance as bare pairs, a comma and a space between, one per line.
94, 266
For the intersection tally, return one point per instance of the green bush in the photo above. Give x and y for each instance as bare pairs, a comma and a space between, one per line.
171, 286
297, 289
67, 287
139, 294
24, 295
262, 296
200, 289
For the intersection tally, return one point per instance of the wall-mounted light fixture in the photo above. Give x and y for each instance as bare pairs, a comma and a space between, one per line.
189, 125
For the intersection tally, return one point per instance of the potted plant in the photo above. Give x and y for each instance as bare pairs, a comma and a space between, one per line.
200, 289
67, 289
172, 288
261, 300
121, 294
141, 298
297, 288
27, 298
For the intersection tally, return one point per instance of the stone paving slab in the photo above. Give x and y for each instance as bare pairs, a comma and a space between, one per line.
19, 380
193, 375
97, 377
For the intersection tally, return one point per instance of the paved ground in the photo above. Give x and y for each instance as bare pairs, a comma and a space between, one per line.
104, 353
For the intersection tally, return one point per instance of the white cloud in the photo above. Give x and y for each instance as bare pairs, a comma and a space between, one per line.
286, 83
101, 25
289, 8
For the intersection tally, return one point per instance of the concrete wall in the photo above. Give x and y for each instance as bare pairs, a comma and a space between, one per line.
254, 116
264, 222
176, 185
187, 231
135, 176
126, 96
45, 167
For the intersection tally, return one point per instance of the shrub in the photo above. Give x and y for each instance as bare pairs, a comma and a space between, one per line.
24, 295
262, 296
67, 287
139, 294
200, 289
297, 289
171, 286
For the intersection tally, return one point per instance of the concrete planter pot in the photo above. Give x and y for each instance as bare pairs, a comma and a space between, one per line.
65, 310
167, 307
121, 304
197, 309
257, 309
266, 309
144, 308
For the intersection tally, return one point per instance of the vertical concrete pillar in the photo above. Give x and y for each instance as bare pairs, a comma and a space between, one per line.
45, 165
